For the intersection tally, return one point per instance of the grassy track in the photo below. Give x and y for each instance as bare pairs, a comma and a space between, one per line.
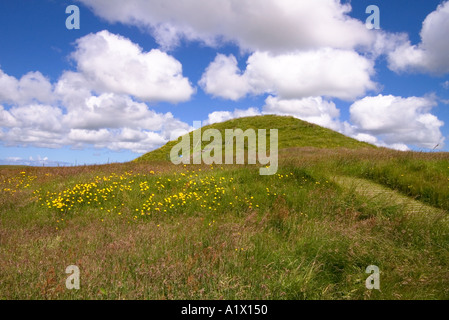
376, 192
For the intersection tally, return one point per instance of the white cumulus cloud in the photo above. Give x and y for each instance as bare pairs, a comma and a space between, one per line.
32, 87
115, 111
112, 63
223, 78
326, 72
397, 120
221, 116
429, 56
266, 25
311, 109
98, 104
108, 121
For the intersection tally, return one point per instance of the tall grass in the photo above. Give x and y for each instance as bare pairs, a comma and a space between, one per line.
293, 235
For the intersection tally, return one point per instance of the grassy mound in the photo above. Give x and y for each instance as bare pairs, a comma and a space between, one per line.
292, 133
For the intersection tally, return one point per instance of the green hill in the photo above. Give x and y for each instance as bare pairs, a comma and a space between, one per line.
292, 133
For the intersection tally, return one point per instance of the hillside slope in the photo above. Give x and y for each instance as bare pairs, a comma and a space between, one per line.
292, 133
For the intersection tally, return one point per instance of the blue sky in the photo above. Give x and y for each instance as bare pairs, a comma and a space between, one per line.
138, 73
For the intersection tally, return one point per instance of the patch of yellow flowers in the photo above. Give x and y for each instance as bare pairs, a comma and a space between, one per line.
17, 183
136, 194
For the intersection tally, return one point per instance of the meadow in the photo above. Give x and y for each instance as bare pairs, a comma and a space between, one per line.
153, 230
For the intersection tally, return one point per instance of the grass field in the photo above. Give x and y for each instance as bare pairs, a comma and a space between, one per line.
153, 230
